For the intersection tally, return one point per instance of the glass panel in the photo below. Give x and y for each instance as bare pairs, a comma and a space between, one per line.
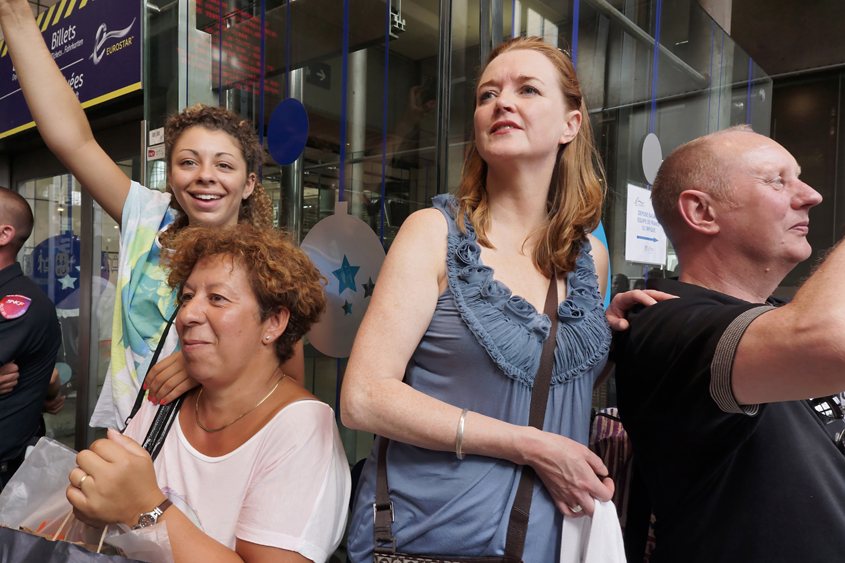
375, 152
697, 81
465, 59
52, 258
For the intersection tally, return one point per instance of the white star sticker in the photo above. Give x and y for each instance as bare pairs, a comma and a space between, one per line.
67, 282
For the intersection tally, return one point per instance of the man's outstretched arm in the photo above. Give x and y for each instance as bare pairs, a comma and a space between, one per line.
796, 351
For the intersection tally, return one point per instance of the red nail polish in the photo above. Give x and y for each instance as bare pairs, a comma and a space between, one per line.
162, 402
145, 386
152, 399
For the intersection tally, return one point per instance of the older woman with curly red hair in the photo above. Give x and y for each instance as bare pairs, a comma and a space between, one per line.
252, 453
445, 361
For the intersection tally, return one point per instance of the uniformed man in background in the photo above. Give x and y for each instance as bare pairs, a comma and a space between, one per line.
30, 337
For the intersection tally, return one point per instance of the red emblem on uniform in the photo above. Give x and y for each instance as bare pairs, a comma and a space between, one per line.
14, 306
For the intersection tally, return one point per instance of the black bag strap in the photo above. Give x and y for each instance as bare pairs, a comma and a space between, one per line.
383, 515
166, 414
139, 400
518, 526
164, 418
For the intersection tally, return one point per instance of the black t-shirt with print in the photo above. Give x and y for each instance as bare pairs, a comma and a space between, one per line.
727, 483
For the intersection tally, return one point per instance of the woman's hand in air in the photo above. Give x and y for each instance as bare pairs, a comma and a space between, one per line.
623, 302
168, 380
115, 482
570, 472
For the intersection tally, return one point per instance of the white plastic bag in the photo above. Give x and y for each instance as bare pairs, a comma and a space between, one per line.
35, 495
593, 540
35, 498
147, 544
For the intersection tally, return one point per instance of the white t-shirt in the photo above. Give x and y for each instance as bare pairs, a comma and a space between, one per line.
287, 487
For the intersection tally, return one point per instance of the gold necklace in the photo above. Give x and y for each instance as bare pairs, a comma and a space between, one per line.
197, 408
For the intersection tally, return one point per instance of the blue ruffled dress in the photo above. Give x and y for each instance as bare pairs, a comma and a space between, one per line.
481, 351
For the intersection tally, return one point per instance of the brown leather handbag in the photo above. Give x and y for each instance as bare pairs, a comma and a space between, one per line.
385, 543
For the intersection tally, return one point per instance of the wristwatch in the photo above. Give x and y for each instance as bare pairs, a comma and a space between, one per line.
149, 518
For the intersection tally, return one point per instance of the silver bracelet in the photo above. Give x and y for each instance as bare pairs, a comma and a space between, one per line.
459, 439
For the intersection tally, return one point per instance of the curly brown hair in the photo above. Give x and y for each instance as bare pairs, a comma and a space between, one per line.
257, 209
577, 187
281, 274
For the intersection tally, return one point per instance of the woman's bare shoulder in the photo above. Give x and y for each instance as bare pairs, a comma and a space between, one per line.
426, 223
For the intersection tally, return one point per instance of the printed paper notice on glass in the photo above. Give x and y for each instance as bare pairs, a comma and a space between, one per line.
645, 240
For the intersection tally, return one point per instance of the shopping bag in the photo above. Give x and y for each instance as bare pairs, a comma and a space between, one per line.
35, 495
17, 547
596, 539
34, 498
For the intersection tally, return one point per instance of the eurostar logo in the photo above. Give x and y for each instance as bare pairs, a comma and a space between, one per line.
104, 35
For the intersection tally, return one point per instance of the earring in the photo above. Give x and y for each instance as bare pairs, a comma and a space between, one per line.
266, 338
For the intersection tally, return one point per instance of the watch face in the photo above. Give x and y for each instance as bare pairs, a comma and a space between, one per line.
146, 520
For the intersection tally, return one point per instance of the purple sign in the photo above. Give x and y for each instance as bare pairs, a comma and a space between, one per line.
97, 45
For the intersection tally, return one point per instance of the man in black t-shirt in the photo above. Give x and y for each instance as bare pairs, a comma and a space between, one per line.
29, 336
711, 386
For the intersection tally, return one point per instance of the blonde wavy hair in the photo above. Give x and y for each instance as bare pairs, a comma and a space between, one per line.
577, 187
257, 209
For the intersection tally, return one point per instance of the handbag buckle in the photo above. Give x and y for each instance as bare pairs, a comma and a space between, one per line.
375, 511
385, 550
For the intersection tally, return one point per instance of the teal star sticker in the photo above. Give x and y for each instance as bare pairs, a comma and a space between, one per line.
347, 307
67, 281
368, 287
346, 275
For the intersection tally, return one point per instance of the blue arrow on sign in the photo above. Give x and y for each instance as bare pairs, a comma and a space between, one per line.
646, 238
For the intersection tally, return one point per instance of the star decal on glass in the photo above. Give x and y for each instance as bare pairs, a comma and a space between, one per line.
346, 276
67, 282
368, 287
347, 307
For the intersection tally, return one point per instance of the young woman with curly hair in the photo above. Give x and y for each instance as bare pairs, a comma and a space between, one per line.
256, 457
213, 158
445, 359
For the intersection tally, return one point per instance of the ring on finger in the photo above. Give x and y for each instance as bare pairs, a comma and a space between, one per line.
576, 509
79, 486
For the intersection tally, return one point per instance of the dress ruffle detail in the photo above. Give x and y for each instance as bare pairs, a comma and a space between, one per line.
508, 326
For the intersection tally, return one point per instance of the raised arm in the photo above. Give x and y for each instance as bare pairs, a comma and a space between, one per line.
374, 397
57, 113
796, 351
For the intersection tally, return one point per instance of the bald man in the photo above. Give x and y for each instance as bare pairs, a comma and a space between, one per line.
713, 386
29, 337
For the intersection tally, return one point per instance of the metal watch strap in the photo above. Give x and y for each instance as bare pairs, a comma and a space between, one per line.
383, 514
150, 518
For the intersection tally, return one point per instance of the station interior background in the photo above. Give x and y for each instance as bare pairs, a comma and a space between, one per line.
388, 90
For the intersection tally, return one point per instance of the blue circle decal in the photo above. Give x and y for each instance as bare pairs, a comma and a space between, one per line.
287, 131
